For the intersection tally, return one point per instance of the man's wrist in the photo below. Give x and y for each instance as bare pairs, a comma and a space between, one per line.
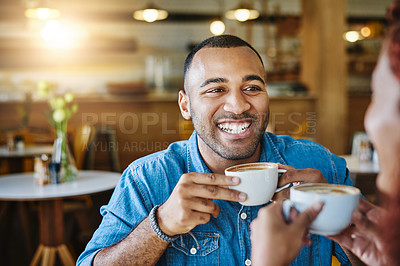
157, 230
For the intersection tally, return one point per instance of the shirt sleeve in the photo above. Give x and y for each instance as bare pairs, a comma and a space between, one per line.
126, 209
343, 174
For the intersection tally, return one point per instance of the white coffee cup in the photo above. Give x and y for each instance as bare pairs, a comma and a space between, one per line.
339, 203
257, 180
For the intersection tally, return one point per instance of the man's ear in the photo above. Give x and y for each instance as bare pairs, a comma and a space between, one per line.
184, 105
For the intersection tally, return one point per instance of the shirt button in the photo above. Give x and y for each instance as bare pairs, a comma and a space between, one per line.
243, 215
193, 251
247, 262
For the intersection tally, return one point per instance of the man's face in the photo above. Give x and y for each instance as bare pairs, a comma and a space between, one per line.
228, 101
382, 122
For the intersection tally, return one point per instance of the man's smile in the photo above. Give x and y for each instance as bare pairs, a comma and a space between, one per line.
234, 127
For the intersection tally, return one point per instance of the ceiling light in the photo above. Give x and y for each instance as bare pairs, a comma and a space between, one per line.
62, 36
366, 31
217, 27
150, 14
352, 36
242, 13
41, 10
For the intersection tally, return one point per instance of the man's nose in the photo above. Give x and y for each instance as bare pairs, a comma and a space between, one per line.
236, 103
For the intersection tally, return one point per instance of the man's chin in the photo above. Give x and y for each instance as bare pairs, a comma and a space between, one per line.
230, 149
235, 157
236, 153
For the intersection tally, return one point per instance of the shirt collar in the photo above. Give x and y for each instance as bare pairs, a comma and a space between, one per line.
270, 152
195, 163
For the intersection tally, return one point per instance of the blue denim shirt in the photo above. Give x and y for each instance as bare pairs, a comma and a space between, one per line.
224, 240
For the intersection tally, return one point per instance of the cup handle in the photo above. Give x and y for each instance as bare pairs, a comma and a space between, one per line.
286, 206
281, 171
284, 187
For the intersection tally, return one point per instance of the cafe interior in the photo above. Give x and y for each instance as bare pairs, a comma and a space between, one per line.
94, 83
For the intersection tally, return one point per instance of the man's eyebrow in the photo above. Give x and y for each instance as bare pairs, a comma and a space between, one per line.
213, 80
253, 77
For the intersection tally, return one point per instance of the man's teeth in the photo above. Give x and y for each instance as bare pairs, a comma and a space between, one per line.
234, 128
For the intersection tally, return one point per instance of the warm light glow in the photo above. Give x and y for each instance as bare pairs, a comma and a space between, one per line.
42, 13
60, 36
352, 36
150, 14
365, 32
242, 14
217, 27
50, 30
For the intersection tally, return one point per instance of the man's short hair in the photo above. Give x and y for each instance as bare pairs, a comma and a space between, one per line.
219, 41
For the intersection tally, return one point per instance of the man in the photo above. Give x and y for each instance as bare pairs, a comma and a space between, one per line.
175, 207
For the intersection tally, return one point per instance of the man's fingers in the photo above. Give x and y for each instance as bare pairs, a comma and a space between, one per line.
305, 218
213, 179
203, 206
217, 192
209, 186
282, 178
286, 167
195, 218
308, 175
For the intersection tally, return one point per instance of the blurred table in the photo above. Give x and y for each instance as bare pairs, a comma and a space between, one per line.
22, 187
27, 151
355, 166
15, 158
363, 175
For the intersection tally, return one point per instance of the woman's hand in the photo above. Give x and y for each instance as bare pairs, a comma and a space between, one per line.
276, 242
364, 237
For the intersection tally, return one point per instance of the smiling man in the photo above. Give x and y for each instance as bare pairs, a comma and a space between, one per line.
176, 207
226, 97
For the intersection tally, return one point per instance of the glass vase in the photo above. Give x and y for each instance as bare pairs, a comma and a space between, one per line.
63, 158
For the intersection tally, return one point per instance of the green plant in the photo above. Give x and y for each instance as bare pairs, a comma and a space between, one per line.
62, 109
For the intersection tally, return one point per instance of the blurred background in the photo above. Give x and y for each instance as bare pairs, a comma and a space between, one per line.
96, 49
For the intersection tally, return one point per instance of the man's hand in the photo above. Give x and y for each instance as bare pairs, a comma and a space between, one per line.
364, 238
296, 176
190, 203
275, 242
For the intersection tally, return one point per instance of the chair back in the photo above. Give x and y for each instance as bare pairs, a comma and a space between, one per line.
82, 138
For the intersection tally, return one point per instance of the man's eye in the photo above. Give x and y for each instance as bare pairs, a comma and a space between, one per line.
252, 88
216, 90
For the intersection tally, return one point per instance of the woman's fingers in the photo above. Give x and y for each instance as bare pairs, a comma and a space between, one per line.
305, 218
365, 206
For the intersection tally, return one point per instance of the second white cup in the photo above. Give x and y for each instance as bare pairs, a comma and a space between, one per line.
339, 203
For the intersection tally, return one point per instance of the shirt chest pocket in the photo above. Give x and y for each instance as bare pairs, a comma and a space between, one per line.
194, 248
